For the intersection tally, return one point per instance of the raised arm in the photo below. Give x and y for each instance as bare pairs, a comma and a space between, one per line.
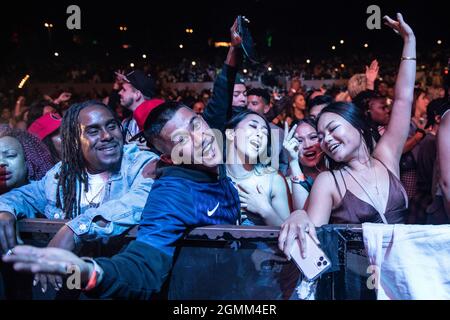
291, 145
219, 109
372, 74
390, 147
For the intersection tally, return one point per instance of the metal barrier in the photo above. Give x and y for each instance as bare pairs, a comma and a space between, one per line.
243, 263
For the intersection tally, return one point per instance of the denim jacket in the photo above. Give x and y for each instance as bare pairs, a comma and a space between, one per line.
125, 197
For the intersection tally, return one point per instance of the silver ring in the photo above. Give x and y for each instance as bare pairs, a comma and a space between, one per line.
9, 252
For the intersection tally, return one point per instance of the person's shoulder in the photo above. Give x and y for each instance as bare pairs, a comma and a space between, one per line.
169, 194
326, 179
54, 171
172, 185
133, 155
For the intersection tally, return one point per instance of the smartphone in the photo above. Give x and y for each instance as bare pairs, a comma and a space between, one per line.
315, 263
247, 44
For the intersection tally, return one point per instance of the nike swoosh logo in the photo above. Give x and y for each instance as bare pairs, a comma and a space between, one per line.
211, 212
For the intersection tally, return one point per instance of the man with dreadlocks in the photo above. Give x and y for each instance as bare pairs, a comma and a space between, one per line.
100, 184
185, 195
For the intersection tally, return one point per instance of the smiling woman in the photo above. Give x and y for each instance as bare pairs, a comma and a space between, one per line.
363, 184
262, 191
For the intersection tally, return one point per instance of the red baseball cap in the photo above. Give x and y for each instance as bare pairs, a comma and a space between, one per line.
45, 125
143, 110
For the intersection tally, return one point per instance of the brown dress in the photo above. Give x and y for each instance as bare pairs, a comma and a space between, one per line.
353, 210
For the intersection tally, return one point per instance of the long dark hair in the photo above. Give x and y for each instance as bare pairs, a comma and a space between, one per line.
233, 122
73, 165
356, 118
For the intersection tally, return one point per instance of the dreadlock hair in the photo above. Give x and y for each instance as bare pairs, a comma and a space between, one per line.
73, 165
37, 157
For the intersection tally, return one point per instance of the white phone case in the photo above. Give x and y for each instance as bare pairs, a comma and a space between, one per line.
316, 261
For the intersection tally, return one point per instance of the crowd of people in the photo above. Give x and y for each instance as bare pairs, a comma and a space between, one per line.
298, 159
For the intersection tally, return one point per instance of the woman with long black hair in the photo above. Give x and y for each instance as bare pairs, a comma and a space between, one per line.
363, 184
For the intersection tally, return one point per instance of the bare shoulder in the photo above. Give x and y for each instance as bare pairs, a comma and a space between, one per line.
324, 181
331, 184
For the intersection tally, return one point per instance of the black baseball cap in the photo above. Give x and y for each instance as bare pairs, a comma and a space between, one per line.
142, 82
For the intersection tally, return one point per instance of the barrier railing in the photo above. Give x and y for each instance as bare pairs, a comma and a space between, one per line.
241, 262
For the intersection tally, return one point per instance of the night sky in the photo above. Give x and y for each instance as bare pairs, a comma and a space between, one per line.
295, 27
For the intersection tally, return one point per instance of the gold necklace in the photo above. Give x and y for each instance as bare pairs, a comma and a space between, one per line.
371, 167
91, 202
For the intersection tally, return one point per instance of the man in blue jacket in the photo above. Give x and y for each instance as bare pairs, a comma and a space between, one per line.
185, 195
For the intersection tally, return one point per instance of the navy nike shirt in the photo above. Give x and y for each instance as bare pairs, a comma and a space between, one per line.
182, 199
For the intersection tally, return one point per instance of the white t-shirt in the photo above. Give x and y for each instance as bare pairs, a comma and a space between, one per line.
96, 192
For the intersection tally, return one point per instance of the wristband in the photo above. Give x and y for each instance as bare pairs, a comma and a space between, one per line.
95, 276
297, 179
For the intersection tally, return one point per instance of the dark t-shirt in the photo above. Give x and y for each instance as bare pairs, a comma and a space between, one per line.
426, 158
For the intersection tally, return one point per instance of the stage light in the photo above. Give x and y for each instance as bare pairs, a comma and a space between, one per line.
180, 46
439, 42
308, 61
56, 54
269, 69
23, 81
342, 41
144, 56
366, 45
132, 65
222, 44
193, 63
333, 48
245, 71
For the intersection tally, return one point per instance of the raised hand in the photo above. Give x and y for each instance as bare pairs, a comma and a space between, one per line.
119, 79
290, 143
372, 71
399, 26
63, 97
236, 39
